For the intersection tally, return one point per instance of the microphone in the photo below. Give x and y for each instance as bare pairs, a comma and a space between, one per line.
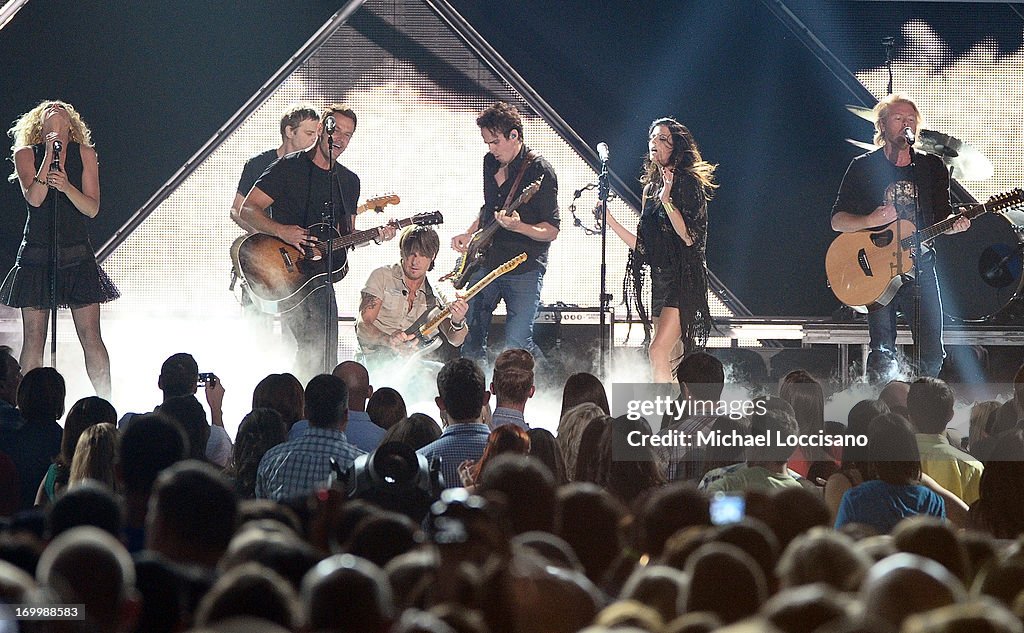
329, 124
908, 135
57, 147
602, 151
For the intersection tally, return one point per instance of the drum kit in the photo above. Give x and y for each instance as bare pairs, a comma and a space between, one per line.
981, 271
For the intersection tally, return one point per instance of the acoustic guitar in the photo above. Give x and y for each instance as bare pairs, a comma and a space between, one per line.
866, 268
279, 276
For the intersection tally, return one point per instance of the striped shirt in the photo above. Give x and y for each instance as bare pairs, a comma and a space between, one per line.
457, 443
296, 467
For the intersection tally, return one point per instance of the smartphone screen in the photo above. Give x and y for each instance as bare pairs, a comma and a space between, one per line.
727, 508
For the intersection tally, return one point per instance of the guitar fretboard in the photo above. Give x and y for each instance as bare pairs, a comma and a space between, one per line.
361, 237
995, 203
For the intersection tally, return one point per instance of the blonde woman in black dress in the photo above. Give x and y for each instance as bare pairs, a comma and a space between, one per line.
74, 191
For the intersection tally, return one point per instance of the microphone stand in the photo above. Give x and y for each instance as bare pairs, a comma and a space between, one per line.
916, 359
888, 42
603, 188
331, 219
54, 256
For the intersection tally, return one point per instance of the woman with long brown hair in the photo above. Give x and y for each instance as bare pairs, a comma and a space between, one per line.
670, 240
69, 185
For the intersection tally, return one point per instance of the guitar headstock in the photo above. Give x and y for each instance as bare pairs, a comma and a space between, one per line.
511, 264
377, 204
530, 190
1005, 200
427, 219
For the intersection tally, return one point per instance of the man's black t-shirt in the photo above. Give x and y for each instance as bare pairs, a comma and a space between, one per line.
251, 172
253, 169
542, 207
872, 180
301, 191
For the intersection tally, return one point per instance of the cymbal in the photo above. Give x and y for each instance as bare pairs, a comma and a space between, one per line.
868, 114
862, 144
968, 163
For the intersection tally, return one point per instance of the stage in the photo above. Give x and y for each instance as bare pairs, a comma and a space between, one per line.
757, 351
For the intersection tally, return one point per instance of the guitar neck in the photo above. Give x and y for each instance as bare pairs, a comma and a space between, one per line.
493, 227
473, 290
361, 237
941, 227
435, 322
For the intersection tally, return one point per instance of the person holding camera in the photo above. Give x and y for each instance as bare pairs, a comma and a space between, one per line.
179, 376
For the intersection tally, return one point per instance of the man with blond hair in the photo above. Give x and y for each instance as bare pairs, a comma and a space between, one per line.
894, 183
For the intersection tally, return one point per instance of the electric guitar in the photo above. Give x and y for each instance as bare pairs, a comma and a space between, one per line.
866, 268
279, 276
426, 328
481, 240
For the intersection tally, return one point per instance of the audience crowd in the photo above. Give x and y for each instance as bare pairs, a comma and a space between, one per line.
336, 509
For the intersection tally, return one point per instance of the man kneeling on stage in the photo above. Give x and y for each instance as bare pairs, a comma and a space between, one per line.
398, 296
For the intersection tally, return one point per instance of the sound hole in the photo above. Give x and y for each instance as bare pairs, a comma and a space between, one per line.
881, 240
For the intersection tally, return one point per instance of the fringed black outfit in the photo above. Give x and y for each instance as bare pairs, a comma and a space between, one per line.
677, 272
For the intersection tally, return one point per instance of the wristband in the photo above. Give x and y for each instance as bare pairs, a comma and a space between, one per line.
40, 180
460, 326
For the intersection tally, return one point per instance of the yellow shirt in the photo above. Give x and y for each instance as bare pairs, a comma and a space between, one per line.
953, 469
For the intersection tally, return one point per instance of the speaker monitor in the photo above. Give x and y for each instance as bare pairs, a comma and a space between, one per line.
570, 337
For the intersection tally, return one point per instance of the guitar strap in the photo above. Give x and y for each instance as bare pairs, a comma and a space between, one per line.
527, 161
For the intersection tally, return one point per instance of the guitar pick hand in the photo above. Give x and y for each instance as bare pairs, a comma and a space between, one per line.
461, 241
297, 236
400, 341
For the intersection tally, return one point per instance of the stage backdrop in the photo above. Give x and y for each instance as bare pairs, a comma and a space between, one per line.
417, 89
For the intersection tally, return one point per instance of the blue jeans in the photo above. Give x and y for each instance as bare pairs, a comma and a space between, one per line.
522, 298
927, 336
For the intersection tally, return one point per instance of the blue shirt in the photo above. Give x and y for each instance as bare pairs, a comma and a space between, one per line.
504, 415
360, 431
882, 505
457, 443
296, 467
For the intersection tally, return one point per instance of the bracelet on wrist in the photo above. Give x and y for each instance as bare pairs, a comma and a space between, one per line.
36, 178
460, 326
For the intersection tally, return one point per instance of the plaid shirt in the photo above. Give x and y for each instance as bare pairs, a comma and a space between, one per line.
457, 443
296, 467
685, 462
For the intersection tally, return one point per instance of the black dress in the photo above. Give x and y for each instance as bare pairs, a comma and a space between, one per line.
678, 272
80, 280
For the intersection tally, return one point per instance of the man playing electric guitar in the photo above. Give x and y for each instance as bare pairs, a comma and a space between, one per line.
890, 183
508, 167
301, 190
397, 296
